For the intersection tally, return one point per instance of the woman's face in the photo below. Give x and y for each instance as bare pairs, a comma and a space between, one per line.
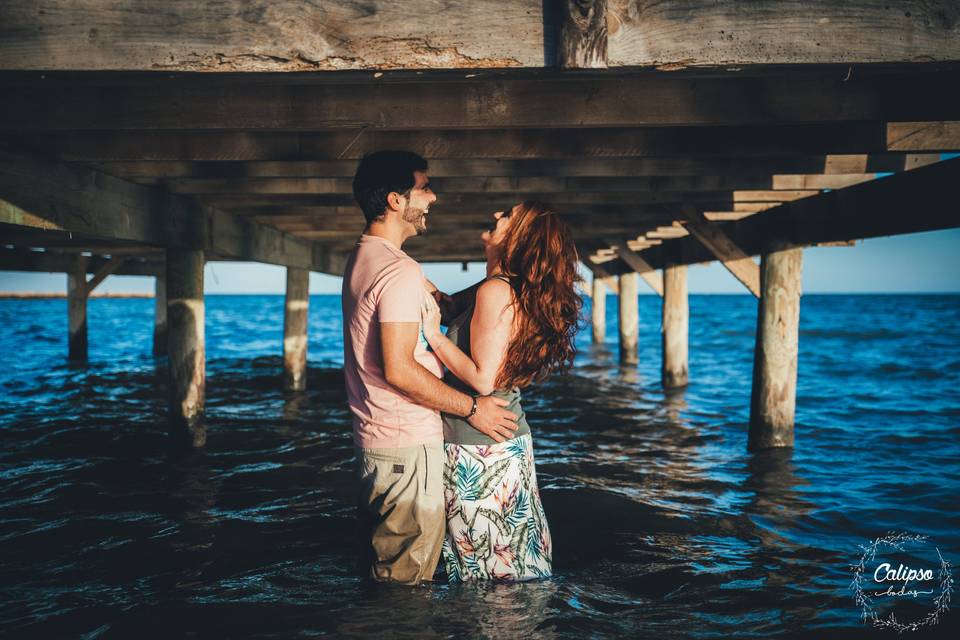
498, 230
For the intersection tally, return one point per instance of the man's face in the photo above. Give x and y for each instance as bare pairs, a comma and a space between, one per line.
421, 197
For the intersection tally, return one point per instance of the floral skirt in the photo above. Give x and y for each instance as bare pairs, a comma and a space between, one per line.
496, 527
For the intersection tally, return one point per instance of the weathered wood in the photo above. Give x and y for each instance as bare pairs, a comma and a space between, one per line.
270, 35
675, 327
192, 160
712, 236
598, 310
629, 319
923, 136
583, 35
638, 264
774, 393
19, 259
820, 181
185, 346
288, 36
160, 315
77, 309
522, 102
684, 33
295, 329
50, 195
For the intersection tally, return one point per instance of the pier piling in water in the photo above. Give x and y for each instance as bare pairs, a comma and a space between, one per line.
77, 308
675, 327
629, 319
160, 315
295, 329
774, 393
598, 309
185, 345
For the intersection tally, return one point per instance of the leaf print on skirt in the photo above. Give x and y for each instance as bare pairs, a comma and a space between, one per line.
496, 527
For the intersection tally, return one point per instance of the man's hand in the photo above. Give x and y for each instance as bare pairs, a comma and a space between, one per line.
492, 420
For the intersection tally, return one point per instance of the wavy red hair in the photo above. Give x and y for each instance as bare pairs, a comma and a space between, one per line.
540, 259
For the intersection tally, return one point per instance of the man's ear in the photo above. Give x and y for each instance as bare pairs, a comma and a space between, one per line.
393, 201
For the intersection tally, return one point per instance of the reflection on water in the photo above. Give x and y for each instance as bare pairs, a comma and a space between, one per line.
663, 523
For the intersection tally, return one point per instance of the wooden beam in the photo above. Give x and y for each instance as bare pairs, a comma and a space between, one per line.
687, 33
186, 347
923, 136
629, 314
599, 272
674, 327
724, 249
869, 210
47, 195
650, 275
589, 101
583, 36
820, 181
117, 156
499, 142
18, 259
103, 271
379, 35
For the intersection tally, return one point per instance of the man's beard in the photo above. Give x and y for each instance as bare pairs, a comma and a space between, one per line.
416, 217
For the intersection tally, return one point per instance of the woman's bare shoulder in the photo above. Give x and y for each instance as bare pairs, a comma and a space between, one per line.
496, 293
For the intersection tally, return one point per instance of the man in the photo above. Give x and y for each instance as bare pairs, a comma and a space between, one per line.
394, 383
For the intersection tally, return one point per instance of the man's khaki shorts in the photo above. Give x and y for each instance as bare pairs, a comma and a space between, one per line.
401, 508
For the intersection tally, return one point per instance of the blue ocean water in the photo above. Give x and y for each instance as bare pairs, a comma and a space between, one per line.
662, 522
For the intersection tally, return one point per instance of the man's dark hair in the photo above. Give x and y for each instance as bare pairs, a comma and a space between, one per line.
381, 173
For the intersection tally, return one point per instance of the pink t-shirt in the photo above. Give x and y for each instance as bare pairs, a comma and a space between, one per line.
383, 284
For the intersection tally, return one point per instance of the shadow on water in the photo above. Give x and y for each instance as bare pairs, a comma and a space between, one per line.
662, 522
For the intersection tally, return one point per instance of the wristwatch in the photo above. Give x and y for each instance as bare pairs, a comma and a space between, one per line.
473, 409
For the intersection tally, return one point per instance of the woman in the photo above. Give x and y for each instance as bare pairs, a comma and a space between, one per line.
517, 326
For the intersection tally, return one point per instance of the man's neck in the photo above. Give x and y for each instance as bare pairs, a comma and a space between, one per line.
392, 233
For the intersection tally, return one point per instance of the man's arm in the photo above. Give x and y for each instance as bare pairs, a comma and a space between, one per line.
402, 371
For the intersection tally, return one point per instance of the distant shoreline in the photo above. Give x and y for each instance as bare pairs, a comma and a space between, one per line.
95, 294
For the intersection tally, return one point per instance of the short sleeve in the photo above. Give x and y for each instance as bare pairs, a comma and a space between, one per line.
401, 293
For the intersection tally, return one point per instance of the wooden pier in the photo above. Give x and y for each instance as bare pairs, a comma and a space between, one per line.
667, 135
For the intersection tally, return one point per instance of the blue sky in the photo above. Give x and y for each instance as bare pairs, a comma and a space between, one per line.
920, 262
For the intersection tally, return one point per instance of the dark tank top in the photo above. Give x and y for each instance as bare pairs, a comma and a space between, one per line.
456, 429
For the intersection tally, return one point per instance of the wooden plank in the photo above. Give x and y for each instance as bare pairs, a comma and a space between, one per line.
588, 101
47, 195
650, 275
923, 136
533, 142
820, 181
176, 164
275, 35
723, 248
473, 185
685, 33
583, 36
599, 272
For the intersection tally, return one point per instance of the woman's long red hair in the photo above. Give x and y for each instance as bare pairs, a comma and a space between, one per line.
540, 259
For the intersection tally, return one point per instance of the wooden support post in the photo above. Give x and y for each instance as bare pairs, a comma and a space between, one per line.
295, 329
598, 301
77, 292
583, 37
185, 345
629, 319
774, 393
160, 315
676, 314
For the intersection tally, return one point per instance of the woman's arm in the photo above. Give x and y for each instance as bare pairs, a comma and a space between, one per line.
490, 332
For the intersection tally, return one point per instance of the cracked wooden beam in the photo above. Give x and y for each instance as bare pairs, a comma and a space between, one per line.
722, 247
583, 35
